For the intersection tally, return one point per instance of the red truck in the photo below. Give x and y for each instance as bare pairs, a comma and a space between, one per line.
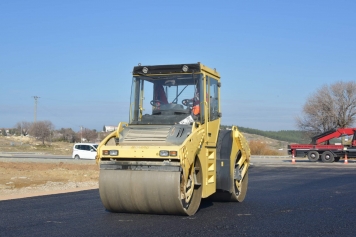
324, 147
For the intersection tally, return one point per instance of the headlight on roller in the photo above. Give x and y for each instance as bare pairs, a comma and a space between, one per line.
110, 152
114, 152
167, 153
163, 153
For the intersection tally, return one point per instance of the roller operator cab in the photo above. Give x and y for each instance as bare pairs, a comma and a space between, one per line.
172, 153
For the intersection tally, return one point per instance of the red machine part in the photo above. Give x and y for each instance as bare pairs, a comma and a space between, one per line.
338, 133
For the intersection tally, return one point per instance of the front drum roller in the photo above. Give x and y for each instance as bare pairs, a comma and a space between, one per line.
150, 192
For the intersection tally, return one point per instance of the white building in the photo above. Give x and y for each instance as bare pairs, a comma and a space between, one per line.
109, 128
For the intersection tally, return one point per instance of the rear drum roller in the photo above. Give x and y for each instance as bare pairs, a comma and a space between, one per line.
240, 185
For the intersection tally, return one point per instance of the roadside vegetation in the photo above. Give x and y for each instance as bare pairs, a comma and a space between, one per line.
258, 147
45, 132
41, 137
32, 145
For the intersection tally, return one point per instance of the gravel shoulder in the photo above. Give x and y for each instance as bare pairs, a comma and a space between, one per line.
32, 177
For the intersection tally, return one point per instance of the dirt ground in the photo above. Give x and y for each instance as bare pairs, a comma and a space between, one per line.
27, 144
23, 179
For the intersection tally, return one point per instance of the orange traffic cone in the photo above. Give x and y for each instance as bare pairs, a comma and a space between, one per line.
346, 161
293, 159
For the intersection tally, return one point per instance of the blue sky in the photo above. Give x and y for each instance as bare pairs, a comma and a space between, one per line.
77, 56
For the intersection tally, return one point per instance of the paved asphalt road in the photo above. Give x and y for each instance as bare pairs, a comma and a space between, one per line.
281, 201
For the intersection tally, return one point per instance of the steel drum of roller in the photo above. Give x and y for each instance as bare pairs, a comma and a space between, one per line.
154, 192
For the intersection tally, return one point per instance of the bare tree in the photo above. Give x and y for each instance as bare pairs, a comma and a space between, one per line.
330, 107
25, 126
89, 135
41, 130
67, 134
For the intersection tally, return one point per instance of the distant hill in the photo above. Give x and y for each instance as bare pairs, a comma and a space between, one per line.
293, 136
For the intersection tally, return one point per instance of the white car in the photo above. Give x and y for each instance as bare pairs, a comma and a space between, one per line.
84, 150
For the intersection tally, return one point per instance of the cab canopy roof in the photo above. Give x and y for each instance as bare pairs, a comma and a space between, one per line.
174, 69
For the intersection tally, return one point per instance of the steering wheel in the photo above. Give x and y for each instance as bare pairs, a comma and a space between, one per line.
155, 103
187, 102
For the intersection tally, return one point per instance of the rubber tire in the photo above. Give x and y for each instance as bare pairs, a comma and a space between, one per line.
77, 157
313, 156
327, 157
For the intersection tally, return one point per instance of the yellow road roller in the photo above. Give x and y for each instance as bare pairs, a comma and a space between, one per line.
172, 152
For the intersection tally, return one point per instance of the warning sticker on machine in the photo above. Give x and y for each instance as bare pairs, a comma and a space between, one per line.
187, 120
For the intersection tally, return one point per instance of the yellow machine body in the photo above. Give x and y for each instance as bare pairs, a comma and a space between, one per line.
172, 153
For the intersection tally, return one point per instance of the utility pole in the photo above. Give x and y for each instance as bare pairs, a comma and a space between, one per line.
35, 112
21, 133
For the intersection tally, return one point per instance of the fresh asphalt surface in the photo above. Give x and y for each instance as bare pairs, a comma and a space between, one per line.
287, 200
